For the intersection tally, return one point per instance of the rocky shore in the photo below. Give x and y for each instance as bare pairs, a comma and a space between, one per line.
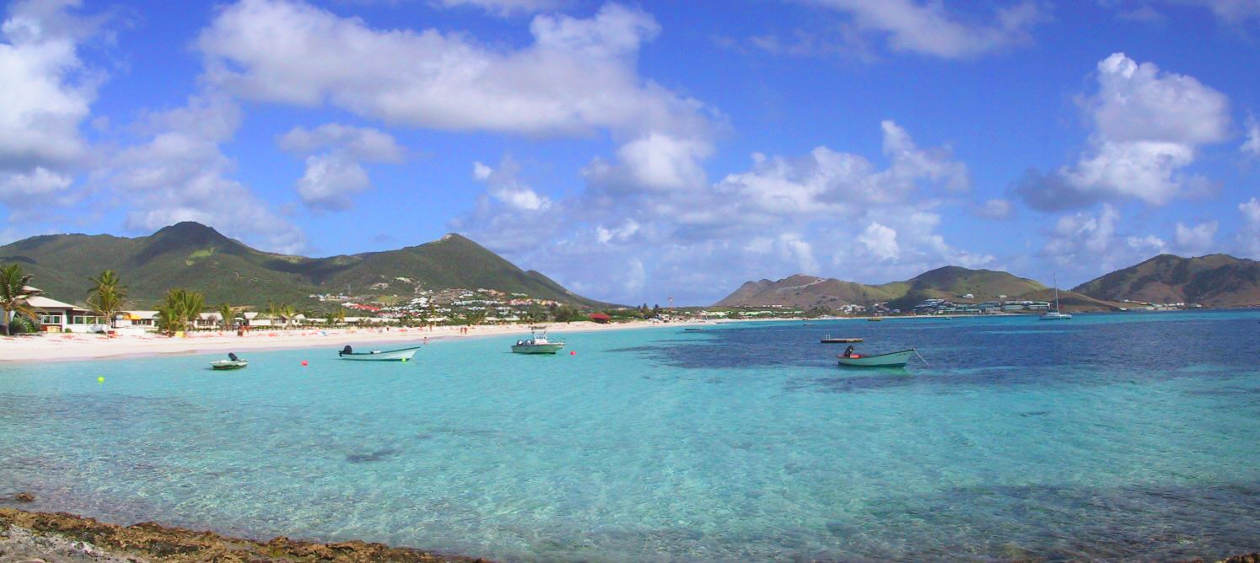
41, 536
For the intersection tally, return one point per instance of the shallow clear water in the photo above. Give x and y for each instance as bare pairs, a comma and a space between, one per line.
1107, 436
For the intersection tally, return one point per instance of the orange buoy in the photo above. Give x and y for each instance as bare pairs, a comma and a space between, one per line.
303, 363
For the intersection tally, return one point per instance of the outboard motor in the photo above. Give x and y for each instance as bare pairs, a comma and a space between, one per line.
346, 350
232, 356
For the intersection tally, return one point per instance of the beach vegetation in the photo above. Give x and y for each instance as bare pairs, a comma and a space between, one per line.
107, 295
227, 316
179, 309
15, 294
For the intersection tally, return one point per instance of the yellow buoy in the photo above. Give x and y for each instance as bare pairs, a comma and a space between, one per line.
100, 380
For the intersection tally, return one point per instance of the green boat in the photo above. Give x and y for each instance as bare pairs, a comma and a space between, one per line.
537, 343
889, 360
231, 363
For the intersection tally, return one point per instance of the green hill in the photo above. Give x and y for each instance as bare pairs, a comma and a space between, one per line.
949, 282
1215, 280
197, 257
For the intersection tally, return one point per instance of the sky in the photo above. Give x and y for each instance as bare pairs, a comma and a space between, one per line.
649, 152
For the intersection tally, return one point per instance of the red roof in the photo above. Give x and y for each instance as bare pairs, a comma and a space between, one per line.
600, 317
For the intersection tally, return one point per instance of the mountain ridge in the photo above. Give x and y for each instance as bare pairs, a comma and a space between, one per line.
198, 257
1214, 280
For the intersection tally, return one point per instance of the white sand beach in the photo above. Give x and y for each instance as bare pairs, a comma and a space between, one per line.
78, 346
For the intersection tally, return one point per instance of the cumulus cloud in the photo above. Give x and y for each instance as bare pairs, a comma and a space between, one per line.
710, 237
1252, 145
880, 241
335, 173
1197, 239
506, 187
48, 92
1147, 127
830, 182
362, 143
576, 78
928, 28
1088, 244
181, 174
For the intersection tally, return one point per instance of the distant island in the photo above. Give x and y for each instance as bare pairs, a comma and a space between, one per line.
1162, 282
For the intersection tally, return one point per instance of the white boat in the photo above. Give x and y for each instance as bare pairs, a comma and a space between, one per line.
399, 355
889, 360
232, 362
1056, 315
537, 343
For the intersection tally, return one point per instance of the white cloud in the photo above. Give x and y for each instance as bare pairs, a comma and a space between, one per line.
16, 186
880, 241
826, 182
800, 251
336, 173
707, 239
330, 180
928, 28
1139, 103
48, 92
1088, 245
360, 143
503, 8
506, 187
657, 161
577, 76
180, 174
621, 233
1252, 144
1148, 125
1197, 239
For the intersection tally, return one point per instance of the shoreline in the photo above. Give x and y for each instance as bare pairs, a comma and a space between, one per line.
64, 537
61, 536
62, 347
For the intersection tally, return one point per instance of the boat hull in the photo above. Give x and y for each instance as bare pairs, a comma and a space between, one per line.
889, 360
550, 348
1054, 316
400, 355
225, 365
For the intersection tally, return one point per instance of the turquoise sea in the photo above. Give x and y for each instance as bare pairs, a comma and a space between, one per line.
1131, 436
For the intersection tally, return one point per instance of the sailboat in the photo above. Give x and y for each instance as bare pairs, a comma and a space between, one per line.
1056, 315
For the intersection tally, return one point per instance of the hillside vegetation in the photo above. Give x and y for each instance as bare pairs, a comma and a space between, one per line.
197, 257
1215, 280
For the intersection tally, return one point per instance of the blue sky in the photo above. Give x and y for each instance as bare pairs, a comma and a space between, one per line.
636, 152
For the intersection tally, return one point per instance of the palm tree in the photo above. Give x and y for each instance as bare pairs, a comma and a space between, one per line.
107, 297
180, 308
14, 294
227, 315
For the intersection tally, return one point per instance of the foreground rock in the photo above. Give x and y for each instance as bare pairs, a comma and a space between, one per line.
35, 536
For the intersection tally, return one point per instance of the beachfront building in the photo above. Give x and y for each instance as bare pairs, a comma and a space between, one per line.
56, 316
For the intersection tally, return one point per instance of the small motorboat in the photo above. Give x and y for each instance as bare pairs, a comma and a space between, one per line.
537, 343
232, 362
889, 360
399, 355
